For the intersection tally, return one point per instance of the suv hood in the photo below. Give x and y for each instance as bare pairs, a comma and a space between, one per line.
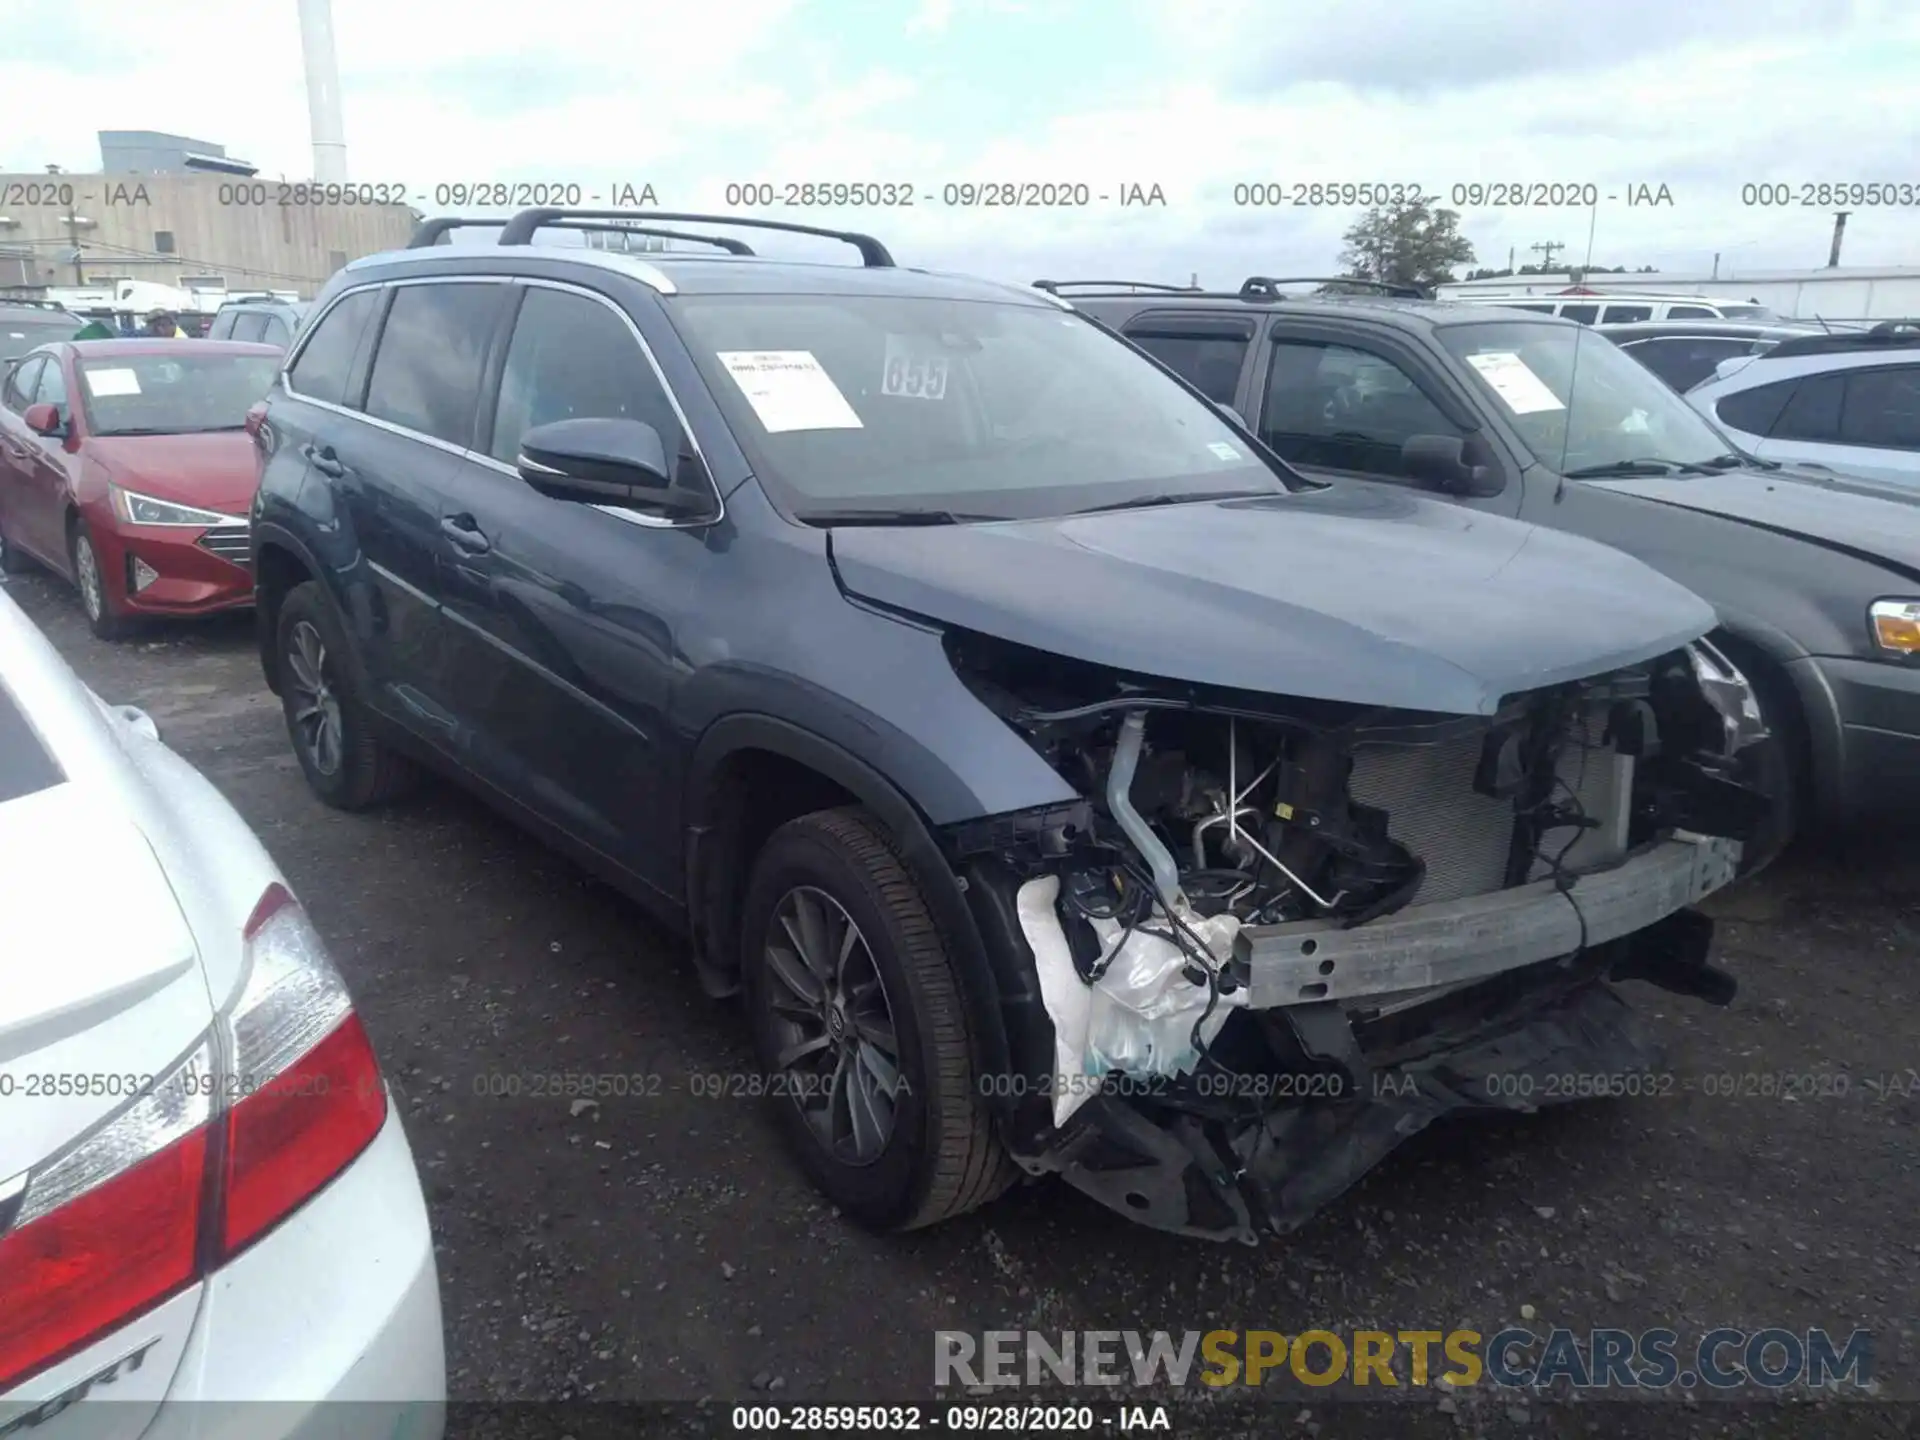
1354, 593
1842, 512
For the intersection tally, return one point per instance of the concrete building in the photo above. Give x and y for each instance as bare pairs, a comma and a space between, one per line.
178, 211
151, 152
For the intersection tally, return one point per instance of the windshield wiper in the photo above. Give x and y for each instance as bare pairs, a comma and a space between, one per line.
1733, 460
1648, 465
888, 517
1141, 502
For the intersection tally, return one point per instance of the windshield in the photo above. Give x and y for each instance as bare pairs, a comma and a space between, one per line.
173, 394
17, 337
981, 410
1578, 401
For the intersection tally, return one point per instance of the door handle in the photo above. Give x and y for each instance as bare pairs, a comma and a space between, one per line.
464, 531
325, 461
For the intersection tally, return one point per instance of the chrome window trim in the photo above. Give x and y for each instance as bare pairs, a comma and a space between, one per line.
650, 522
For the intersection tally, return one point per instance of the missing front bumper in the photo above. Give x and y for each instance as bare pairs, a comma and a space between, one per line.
1460, 941
1180, 1173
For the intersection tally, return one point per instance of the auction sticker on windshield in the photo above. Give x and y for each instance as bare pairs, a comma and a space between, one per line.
112, 382
1223, 451
789, 391
1525, 392
913, 371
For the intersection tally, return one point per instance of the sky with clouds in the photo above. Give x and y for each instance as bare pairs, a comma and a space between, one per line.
1194, 96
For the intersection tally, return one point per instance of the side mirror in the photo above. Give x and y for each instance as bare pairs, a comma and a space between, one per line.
1231, 414
1451, 465
43, 419
256, 418
615, 462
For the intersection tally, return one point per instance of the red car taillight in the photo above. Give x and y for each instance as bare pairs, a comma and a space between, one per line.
281, 1097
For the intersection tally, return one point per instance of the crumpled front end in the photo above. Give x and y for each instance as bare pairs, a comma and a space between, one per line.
1278, 937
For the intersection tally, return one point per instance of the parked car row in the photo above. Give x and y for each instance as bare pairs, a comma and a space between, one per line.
1052, 710
1023, 740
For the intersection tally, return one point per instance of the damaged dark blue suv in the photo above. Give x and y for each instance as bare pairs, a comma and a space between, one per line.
1066, 784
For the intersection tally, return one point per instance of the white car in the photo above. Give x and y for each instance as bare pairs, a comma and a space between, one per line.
1848, 401
205, 1190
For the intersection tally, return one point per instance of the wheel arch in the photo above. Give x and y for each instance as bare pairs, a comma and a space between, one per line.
730, 808
280, 562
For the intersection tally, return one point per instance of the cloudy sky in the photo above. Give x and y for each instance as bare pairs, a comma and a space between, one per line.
1194, 96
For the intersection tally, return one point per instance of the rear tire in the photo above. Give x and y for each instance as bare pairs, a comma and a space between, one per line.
91, 581
333, 735
902, 1013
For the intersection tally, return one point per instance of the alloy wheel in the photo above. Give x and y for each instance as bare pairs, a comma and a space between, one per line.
86, 567
836, 1049
315, 705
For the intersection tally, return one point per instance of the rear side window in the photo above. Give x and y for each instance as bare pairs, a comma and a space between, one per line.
327, 359
249, 326
1755, 411
1814, 411
276, 332
1584, 314
222, 326
572, 358
1626, 314
432, 349
1882, 409
1691, 312
1210, 362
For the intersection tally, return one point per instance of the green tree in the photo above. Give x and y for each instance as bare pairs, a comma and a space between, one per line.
1407, 244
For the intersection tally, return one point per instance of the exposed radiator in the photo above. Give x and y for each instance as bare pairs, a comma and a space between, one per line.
1465, 837
1433, 810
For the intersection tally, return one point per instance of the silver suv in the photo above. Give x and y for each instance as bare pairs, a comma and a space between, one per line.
1848, 402
264, 318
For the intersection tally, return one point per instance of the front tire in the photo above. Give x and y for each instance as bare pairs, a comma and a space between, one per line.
345, 762
91, 581
13, 560
860, 1023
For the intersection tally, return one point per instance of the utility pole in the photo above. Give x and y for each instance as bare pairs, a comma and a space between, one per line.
73, 239
1545, 250
1716, 264
1839, 231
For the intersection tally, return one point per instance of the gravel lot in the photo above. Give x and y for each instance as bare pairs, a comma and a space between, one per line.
660, 1246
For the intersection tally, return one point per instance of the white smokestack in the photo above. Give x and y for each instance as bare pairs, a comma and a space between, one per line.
323, 90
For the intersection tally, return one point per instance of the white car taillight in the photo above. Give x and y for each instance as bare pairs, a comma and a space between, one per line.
278, 1099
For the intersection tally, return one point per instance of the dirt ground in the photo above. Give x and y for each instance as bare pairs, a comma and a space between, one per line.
661, 1247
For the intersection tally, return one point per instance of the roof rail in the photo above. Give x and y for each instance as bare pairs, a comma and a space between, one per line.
521, 228
429, 232
1054, 287
1888, 334
1267, 287
33, 302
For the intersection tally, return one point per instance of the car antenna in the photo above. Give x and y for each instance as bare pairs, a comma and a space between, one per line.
1573, 373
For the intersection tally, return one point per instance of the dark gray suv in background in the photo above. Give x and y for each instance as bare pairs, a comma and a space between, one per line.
1066, 784
1816, 575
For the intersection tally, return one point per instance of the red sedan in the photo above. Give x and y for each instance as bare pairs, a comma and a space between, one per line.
125, 467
